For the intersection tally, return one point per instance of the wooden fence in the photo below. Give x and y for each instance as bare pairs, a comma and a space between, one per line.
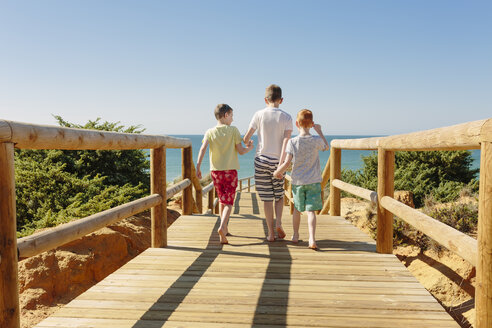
472, 135
29, 136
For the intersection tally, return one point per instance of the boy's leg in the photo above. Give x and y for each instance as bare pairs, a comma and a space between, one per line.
312, 229
226, 183
268, 208
296, 222
224, 219
264, 168
279, 207
278, 191
227, 224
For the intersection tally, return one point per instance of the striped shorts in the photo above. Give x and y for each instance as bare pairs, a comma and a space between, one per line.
268, 187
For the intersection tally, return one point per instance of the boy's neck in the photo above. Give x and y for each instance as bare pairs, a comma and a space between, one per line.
221, 121
304, 132
273, 105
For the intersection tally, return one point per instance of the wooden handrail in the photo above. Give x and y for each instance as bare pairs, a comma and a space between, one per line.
41, 242
454, 240
456, 137
64, 233
240, 187
366, 194
208, 187
177, 187
31, 136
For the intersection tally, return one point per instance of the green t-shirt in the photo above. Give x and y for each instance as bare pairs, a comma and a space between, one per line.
222, 141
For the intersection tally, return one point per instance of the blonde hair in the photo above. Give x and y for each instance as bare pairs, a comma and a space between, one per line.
305, 118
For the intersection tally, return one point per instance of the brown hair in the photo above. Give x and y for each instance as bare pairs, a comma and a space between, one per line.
221, 110
273, 93
305, 118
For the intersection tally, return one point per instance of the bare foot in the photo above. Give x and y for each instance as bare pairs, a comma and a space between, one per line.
280, 233
313, 246
222, 235
295, 239
270, 238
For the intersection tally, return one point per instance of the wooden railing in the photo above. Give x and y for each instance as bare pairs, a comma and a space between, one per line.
29, 136
472, 135
240, 187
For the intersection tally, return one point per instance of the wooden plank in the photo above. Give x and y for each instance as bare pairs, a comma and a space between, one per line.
196, 281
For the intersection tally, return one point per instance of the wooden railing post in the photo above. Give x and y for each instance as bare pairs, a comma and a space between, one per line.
249, 184
386, 173
186, 167
199, 200
9, 280
217, 209
211, 200
158, 186
240, 185
335, 173
483, 293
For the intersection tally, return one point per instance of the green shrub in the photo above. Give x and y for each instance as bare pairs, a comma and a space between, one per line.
55, 186
441, 173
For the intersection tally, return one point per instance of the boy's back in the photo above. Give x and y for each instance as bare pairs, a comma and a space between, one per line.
270, 124
223, 153
305, 168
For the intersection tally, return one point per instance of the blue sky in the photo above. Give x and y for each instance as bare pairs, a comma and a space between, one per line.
362, 67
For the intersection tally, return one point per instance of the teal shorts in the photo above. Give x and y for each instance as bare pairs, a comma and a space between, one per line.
307, 197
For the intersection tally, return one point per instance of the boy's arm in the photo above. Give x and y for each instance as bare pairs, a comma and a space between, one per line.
317, 128
243, 150
287, 135
282, 168
203, 148
248, 135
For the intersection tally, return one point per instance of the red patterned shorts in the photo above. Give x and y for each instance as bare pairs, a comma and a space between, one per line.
225, 183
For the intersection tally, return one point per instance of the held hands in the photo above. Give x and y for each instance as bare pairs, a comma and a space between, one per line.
277, 174
198, 172
250, 145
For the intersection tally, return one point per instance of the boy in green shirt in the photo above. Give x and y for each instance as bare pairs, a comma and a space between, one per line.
225, 143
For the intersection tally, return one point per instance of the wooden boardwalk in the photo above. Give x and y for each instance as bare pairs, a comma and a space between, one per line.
197, 282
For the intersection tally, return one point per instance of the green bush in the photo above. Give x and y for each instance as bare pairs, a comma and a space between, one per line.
440, 173
55, 186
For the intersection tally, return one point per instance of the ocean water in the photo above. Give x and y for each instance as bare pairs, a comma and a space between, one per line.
351, 159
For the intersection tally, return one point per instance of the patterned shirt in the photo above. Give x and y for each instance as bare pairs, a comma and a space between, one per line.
305, 159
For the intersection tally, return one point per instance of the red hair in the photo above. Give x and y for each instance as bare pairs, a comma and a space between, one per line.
305, 118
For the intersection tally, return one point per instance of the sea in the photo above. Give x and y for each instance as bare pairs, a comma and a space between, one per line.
351, 159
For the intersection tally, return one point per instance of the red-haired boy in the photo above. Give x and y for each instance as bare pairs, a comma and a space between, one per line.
302, 151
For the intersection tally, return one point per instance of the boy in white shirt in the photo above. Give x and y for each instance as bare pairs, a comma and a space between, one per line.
274, 128
306, 173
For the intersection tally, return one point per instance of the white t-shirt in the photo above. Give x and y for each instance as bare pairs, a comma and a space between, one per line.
305, 159
270, 124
